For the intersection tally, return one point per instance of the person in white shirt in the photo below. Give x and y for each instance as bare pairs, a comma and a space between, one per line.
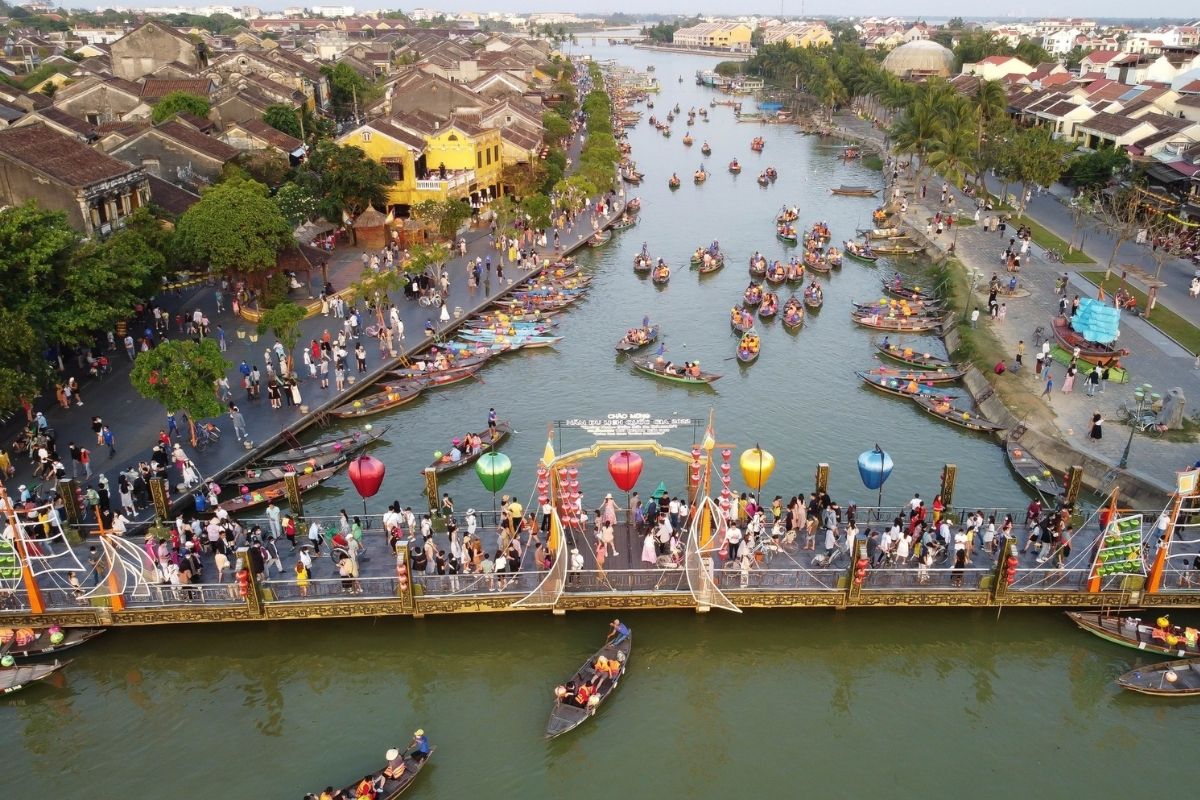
915, 503
733, 541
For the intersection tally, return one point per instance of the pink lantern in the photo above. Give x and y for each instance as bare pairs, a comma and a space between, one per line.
366, 473
573, 472
625, 468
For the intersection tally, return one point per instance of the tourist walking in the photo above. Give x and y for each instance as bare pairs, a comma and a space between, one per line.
108, 440
1049, 385
1096, 431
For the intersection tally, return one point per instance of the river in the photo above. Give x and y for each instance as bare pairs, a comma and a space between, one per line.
766, 703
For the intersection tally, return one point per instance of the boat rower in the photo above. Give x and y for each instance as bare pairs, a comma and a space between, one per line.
419, 746
617, 633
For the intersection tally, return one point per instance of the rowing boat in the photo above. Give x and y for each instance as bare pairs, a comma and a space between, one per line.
814, 298
881, 233
769, 307
1032, 471
661, 274
748, 347
626, 346
392, 396
758, 267
275, 491
14, 679
649, 367
777, 273
711, 266
793, 314
391, 788
815, 262
907, 292
488, 442
43, 644
599, 239
753, 295
642, 263
889, 384
854, 191
740, 319
943, 409
323, 447
898, 249
517, 340
257, 476
1180, 678
795, 272
920, 375
857, 251
905, 311
566, 716
1169, 640
786, 235
911, 358
909, 325
735, 167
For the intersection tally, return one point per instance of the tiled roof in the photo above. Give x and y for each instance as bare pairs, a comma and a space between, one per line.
521, 138
61, 157
387, 128
1114, 124
62, 118
272, 136
1102, 56
173, 199
194, 140
156, 88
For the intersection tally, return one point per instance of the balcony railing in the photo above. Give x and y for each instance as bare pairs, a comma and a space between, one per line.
453, 180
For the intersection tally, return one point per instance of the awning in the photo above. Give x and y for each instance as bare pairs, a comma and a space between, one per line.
1164, 174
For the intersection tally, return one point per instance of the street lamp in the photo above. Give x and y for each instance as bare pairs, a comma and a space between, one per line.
1142, 396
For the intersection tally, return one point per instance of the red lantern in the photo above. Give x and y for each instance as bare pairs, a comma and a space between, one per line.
366, 473
625, 468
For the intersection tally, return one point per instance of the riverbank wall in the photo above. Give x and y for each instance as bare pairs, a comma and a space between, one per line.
724, 55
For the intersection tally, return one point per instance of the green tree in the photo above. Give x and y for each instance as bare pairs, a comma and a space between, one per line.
422, 257
572, 192
22, 368
444, 216
1094, 170
347, 87
1040, 159
268, 167
284, 118
173, 103
348, 179
538, 209
296, 203
283, 320
181, 375
235, 228
556, 127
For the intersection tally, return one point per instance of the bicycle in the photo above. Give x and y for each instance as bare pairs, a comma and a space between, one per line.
1143, 420
207, 434
1053, 256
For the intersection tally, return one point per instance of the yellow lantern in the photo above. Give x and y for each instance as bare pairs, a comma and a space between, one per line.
757, 465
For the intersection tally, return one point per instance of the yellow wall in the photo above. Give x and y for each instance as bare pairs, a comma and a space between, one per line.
378, 147
458, 150
727, 37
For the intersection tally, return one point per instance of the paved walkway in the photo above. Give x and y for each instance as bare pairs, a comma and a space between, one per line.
136, 421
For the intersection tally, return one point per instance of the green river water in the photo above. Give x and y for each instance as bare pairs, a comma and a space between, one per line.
770, 704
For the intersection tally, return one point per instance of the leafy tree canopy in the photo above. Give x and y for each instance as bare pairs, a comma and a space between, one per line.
180, 375
173, 103
234, 228
283, 118
348, 179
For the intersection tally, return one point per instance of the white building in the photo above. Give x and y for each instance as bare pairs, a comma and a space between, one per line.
1061, 42
332, 11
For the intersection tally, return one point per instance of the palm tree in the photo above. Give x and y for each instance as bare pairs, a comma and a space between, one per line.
918, 130
953, 154
989, 101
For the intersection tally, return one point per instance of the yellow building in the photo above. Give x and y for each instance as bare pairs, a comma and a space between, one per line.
430, 161
715, 35
797, 34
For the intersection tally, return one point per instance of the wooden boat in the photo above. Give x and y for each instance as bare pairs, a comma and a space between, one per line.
854, 191
859, 252
777, 273
889, 384
650, 367
631, 177
475, 360
633, 206
891, 248
714, 265
795, 273
661, 274
907, 292
815, 261
748, 347
43, 644
517, 340
1169, 640
501, 329
687, 140
392, 396
943, 409
881, 233
489, 442
757, 144
323, 447
706, 149
763, 180
626, 346
699, 176
817, 233
753, 295
735, 167
904, 311
257, 476
919, 375
599, 239
1092, 352
393, 788
911, 358
786, 234
624, 223
758, 267
908, 324
769, 307
772, 174
814, 299
786, 216
833, 257
793, 314
740, 319
14, 679
1032, 471
1180, 678
566, 716
275, 491
673, 182
642, 263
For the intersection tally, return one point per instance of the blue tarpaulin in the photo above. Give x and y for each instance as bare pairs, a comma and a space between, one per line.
1096, 321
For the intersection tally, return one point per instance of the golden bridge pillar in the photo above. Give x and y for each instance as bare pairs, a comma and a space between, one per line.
68, 490
949, 474
1006, 570
160, 495
404, 589
431, 490
291, 487
248, 587
1072, 485
822, 483
856, 573
1187, 490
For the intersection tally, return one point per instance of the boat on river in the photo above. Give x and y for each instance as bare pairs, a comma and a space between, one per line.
894, 247
624, 222
391, 788
699, 176
942, 408
904, 292
275, 491
777, 273
628, 345
786, 233
661, 274
487, 440
769, 306
740, 319
325, 446
600, 238
814, 297
919, 375
673, 182
735, 167
40, 642
758, 266
1162, 638
753, 295
854, 191
1031, 470
1180, 678
259, 475
870, 319
14, 679
793, 314
706, 149
748, 347
567, 714
757, 144
889, 384
882, 233
643, 263
653, 367
393, 395
860, 252
1092, 352
517, 340
833, 257
911, 358
901, 309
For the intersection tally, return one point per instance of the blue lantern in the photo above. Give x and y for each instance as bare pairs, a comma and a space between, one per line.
874, 467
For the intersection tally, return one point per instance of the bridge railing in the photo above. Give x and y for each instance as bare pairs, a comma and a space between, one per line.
923, 579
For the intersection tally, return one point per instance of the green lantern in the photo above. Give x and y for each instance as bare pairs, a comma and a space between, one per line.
493, 470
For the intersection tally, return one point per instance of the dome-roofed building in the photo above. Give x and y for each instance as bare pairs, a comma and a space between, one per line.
920, 59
